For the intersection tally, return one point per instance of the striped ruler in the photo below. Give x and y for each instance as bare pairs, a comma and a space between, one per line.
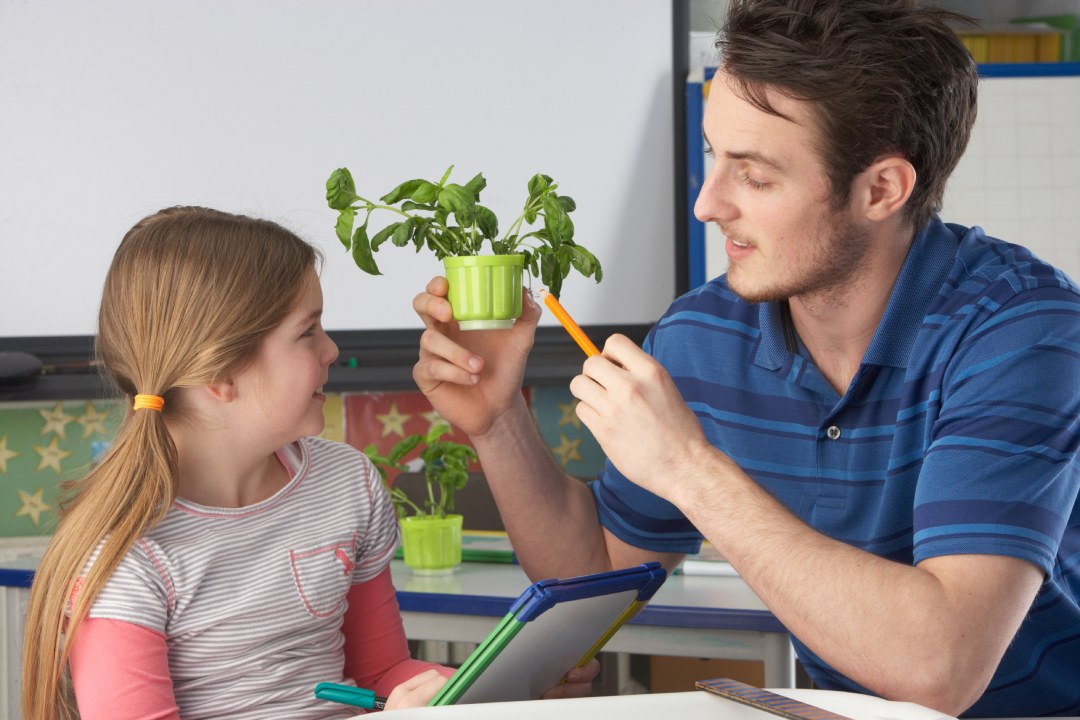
764, 700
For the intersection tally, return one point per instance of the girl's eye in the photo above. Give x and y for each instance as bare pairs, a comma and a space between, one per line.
310, 331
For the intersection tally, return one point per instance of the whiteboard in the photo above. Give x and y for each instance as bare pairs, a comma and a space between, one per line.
114, 109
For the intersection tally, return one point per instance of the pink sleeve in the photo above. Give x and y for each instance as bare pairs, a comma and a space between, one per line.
120, 671
376, 651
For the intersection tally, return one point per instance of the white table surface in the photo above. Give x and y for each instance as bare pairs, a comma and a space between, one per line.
684, 706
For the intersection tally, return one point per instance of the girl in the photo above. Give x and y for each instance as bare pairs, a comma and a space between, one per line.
219, 561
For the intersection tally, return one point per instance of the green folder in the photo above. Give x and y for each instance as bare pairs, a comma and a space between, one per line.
554, 626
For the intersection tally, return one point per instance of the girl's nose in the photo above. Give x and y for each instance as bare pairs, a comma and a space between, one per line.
331, 351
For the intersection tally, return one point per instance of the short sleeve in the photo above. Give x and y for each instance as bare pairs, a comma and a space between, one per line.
1000, 475
637, 516
139, 590
380, 538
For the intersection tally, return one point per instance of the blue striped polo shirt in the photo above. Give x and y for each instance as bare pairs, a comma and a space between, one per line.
958, 435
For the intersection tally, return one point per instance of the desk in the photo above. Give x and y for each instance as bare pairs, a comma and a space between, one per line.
684, 705
690, 615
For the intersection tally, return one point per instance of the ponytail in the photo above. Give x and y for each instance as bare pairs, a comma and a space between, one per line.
124, 497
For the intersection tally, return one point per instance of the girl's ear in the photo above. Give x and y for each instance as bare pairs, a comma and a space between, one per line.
885, 186
221, 391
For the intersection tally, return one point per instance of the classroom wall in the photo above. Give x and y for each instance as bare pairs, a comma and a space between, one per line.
45, 443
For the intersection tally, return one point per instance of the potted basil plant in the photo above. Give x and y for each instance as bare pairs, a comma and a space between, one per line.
448, 219
430, 530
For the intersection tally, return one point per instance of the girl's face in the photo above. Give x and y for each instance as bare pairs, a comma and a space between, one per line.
283, 387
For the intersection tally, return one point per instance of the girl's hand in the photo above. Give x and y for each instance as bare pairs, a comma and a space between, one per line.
578, 682
417, 691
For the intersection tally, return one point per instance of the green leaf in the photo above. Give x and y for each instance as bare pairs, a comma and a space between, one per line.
436, 432
566, 230
361, 252
383, 235
538, 185
445, 176
346, 217
402, 233
584, 262
404, 447
475, 185
553, 219
425, 193
340, 189
421, 228
404, 190
568, 203
487, 222
547, 272
459, 201
410, 206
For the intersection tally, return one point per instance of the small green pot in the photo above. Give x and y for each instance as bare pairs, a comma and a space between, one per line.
485, 290
432, 545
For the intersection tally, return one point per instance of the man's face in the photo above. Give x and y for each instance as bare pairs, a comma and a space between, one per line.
769, 193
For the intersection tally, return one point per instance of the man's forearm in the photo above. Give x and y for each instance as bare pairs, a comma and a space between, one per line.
931, 634
550, 516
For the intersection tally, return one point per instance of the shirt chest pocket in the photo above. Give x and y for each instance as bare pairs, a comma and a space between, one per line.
323, 574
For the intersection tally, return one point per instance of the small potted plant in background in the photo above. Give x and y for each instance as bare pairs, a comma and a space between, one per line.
447, 218
430, 531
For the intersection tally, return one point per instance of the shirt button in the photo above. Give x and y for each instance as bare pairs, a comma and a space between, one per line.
833, 432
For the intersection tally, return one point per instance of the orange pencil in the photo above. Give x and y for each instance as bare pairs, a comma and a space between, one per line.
568, 322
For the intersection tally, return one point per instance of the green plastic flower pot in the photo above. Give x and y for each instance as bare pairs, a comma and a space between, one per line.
432, 545
485, 290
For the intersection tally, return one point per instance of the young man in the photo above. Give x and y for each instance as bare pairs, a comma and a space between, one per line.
873, 415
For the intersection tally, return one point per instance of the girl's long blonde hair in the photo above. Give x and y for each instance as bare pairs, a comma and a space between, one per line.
189, 296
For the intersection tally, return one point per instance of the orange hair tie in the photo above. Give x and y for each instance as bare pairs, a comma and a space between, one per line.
149, 402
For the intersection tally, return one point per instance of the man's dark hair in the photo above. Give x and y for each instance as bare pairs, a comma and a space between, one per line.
883, 76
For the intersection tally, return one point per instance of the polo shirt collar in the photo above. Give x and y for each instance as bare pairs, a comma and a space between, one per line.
932, 254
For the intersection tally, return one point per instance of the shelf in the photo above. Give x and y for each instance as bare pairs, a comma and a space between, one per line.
1047, 69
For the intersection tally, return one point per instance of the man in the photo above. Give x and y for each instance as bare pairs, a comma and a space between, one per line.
873, 415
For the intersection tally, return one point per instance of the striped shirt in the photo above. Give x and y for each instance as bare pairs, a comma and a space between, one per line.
958, 435
251, 599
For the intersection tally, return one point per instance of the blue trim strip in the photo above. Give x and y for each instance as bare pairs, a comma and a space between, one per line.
10, 577
457, 604
695, 176
1046, 69
712, 619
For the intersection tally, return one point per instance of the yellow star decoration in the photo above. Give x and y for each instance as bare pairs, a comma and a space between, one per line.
434, 418
567, 450
51, 456
569, 417
33, 505
92, 421
55, 420
5, 454
393, 421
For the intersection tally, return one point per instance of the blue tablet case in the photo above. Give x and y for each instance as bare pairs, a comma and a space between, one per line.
555, 625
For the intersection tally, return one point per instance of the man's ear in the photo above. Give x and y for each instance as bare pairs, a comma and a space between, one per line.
884, 187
